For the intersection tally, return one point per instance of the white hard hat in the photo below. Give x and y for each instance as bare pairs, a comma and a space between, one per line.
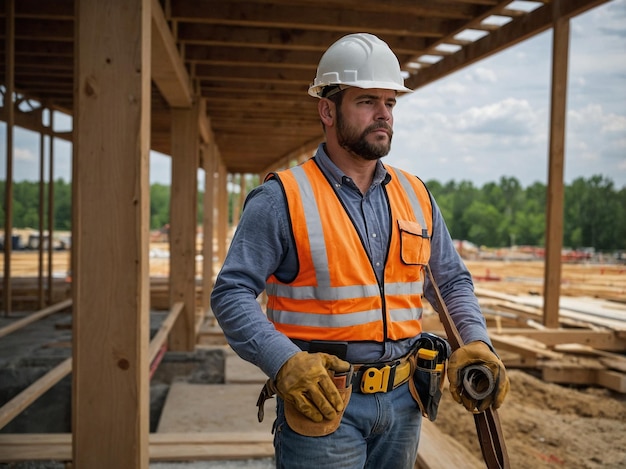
360, 60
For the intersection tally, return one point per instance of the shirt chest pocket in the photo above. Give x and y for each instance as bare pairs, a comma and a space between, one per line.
414, 243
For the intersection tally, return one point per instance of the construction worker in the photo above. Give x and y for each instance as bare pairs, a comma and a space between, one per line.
340, 243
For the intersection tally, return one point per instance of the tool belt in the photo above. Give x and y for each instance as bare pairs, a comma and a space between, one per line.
429, 361
362, 378
381, 377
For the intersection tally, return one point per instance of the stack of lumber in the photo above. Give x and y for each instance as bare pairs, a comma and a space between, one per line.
588, 347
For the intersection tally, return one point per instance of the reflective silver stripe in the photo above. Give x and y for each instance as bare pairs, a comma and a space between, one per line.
319, 255
407, 314
322, 293
410, 192
341, 320
324, 320
343, 293
408, 288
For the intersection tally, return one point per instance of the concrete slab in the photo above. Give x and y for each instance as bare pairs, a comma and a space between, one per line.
214, 408
237, 370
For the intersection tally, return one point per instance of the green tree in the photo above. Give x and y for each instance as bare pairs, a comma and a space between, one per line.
483, 221
62, 205
462, 196
159, 205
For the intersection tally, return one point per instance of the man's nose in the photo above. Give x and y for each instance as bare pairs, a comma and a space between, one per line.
383, 112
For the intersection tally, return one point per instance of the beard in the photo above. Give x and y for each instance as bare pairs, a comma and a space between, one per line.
351, 140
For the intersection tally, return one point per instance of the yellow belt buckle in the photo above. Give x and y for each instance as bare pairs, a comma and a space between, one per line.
375, 380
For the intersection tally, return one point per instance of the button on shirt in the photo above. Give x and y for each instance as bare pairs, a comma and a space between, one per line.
263, 245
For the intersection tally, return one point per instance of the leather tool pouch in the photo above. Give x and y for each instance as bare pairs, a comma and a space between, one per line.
429, 361
301, 424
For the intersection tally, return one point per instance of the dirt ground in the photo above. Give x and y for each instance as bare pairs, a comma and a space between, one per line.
548, 425
545, 425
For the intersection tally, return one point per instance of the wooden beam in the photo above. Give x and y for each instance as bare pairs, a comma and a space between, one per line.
163, 446
194, 18
524, 349
204, 124
555, 191
15, 406
307, 149
168, 71
183, 204
110, 412
166, 326
14, 326
590, 376
603, 340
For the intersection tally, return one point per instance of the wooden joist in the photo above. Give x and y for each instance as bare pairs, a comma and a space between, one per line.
606, 340
20, 402
166, 326
15, 406
162, 447
585, 375
14, 326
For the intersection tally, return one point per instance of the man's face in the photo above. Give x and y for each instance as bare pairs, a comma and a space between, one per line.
365, 122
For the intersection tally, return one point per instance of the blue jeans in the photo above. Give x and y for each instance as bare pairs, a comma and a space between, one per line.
377, 431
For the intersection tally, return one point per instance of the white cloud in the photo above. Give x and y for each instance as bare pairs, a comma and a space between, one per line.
492, 119
482, 75
24, 155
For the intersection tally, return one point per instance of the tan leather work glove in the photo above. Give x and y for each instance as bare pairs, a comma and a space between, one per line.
304, 381
477, 353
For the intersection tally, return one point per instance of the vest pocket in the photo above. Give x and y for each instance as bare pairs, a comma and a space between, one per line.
414, 243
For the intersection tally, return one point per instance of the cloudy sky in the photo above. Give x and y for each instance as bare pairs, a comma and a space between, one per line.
492, 119
487, 121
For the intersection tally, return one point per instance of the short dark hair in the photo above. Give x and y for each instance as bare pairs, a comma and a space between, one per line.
334, 93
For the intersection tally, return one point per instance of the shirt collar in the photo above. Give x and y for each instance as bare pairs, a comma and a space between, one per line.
337, 176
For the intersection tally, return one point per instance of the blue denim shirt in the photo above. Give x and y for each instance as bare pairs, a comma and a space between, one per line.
262, 245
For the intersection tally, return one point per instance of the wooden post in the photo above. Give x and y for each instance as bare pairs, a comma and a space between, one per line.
554, 215
183, 204
42, 201
238, 202
111, 285
50, 208
208, 163
10, 121
222, 212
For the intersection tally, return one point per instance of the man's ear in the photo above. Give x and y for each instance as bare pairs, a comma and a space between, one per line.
326, 109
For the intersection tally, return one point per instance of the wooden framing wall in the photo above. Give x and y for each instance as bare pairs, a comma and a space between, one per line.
183, 209
110, 330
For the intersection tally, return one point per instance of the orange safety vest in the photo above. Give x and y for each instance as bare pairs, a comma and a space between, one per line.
335, 295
